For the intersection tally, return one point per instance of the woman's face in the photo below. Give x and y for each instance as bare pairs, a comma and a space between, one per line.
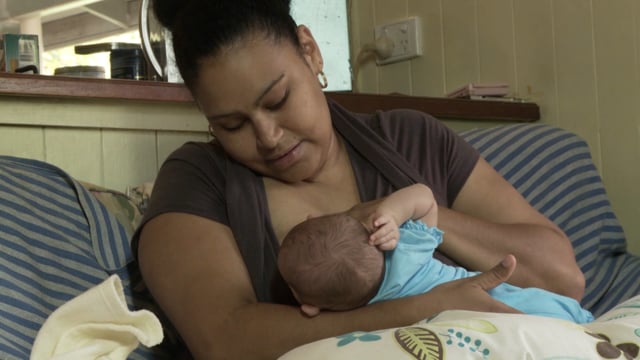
266, 107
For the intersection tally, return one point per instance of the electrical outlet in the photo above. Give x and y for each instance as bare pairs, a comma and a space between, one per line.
406, 36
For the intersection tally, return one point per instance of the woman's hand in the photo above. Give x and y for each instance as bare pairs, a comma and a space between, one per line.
472, 293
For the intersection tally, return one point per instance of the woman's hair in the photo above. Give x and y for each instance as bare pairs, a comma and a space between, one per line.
202, 28
328, 262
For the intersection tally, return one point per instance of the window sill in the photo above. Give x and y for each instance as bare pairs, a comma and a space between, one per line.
130, 90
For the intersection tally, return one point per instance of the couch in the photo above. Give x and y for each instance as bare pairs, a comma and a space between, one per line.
60, 236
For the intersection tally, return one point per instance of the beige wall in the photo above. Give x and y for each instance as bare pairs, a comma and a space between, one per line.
117, 144
578, 59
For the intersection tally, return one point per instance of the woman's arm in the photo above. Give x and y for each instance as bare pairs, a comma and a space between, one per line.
490, 219
195, 272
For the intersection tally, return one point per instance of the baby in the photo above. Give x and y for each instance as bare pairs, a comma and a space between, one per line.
334, 262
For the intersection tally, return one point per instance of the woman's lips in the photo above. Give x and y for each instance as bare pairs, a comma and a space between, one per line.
288, 158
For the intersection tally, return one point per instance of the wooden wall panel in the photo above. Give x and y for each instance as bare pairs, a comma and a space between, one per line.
27, 142
460, 43
363, 15
576, 69
76, 151
618, 94
427, 72
535, 55
47, 111
129, 158
393, 77
496, 44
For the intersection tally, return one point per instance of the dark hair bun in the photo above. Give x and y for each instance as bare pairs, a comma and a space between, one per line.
167, 11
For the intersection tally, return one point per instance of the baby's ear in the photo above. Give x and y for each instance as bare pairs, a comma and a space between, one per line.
310, 310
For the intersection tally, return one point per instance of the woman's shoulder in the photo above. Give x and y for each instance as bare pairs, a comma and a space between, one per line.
197, 151
195, 157
193, 169
408, 121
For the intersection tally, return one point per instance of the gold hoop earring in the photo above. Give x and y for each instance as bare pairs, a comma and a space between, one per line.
322, 79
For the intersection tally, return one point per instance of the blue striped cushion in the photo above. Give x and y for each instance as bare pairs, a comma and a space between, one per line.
554, 171
56, 242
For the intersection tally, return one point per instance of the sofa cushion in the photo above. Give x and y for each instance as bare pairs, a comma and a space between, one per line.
57, 240
554, 171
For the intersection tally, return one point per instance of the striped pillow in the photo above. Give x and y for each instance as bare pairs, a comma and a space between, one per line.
57, 240
554, 171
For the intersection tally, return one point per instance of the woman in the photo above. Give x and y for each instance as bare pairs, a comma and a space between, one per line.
208, 244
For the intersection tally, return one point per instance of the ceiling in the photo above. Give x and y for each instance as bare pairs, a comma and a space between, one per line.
69, 22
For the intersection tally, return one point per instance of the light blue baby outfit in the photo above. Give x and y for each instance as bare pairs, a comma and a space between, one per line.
411, 269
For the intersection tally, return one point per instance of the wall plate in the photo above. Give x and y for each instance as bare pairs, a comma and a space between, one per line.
406, 35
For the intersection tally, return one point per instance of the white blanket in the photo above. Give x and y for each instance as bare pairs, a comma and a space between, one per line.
97, 324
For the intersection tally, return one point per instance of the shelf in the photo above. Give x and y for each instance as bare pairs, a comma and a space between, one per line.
115, 89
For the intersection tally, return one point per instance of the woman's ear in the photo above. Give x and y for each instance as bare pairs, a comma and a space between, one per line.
310, 50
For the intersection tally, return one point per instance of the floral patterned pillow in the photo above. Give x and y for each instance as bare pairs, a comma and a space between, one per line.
125, 208
459, 334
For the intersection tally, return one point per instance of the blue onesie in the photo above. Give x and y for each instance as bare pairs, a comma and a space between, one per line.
411, 269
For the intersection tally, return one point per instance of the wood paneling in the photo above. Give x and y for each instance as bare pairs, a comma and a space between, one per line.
496, 45
460, 43
618, 94
575, 64
427, 72
77, 151
535, 55
20, 141
128, 152
579, 60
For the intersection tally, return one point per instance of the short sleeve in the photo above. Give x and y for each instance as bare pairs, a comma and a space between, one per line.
443, 158
191, 181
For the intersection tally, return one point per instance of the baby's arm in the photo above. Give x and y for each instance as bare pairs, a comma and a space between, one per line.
382, 217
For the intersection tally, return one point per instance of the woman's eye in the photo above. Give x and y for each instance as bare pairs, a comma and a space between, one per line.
280, 103
232, 126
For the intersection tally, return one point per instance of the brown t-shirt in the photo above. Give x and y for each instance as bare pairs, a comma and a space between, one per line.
388, 150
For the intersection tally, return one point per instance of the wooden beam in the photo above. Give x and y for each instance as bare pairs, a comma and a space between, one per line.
76, 29
459, 109
121, 13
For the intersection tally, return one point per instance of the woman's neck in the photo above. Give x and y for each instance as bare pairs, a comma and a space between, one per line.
337, 167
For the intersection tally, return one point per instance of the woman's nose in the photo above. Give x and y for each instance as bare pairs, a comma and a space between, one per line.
267, 131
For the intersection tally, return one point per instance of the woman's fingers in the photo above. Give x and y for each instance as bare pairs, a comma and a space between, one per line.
472, 293
494, 277
497, 275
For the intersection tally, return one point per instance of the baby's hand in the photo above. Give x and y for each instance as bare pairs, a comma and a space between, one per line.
386, 233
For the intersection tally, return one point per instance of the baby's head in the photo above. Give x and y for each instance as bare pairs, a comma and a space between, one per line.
328, 263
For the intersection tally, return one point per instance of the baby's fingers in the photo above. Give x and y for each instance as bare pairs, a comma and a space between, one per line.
385, 237
379, 234
382, 220
388, 245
